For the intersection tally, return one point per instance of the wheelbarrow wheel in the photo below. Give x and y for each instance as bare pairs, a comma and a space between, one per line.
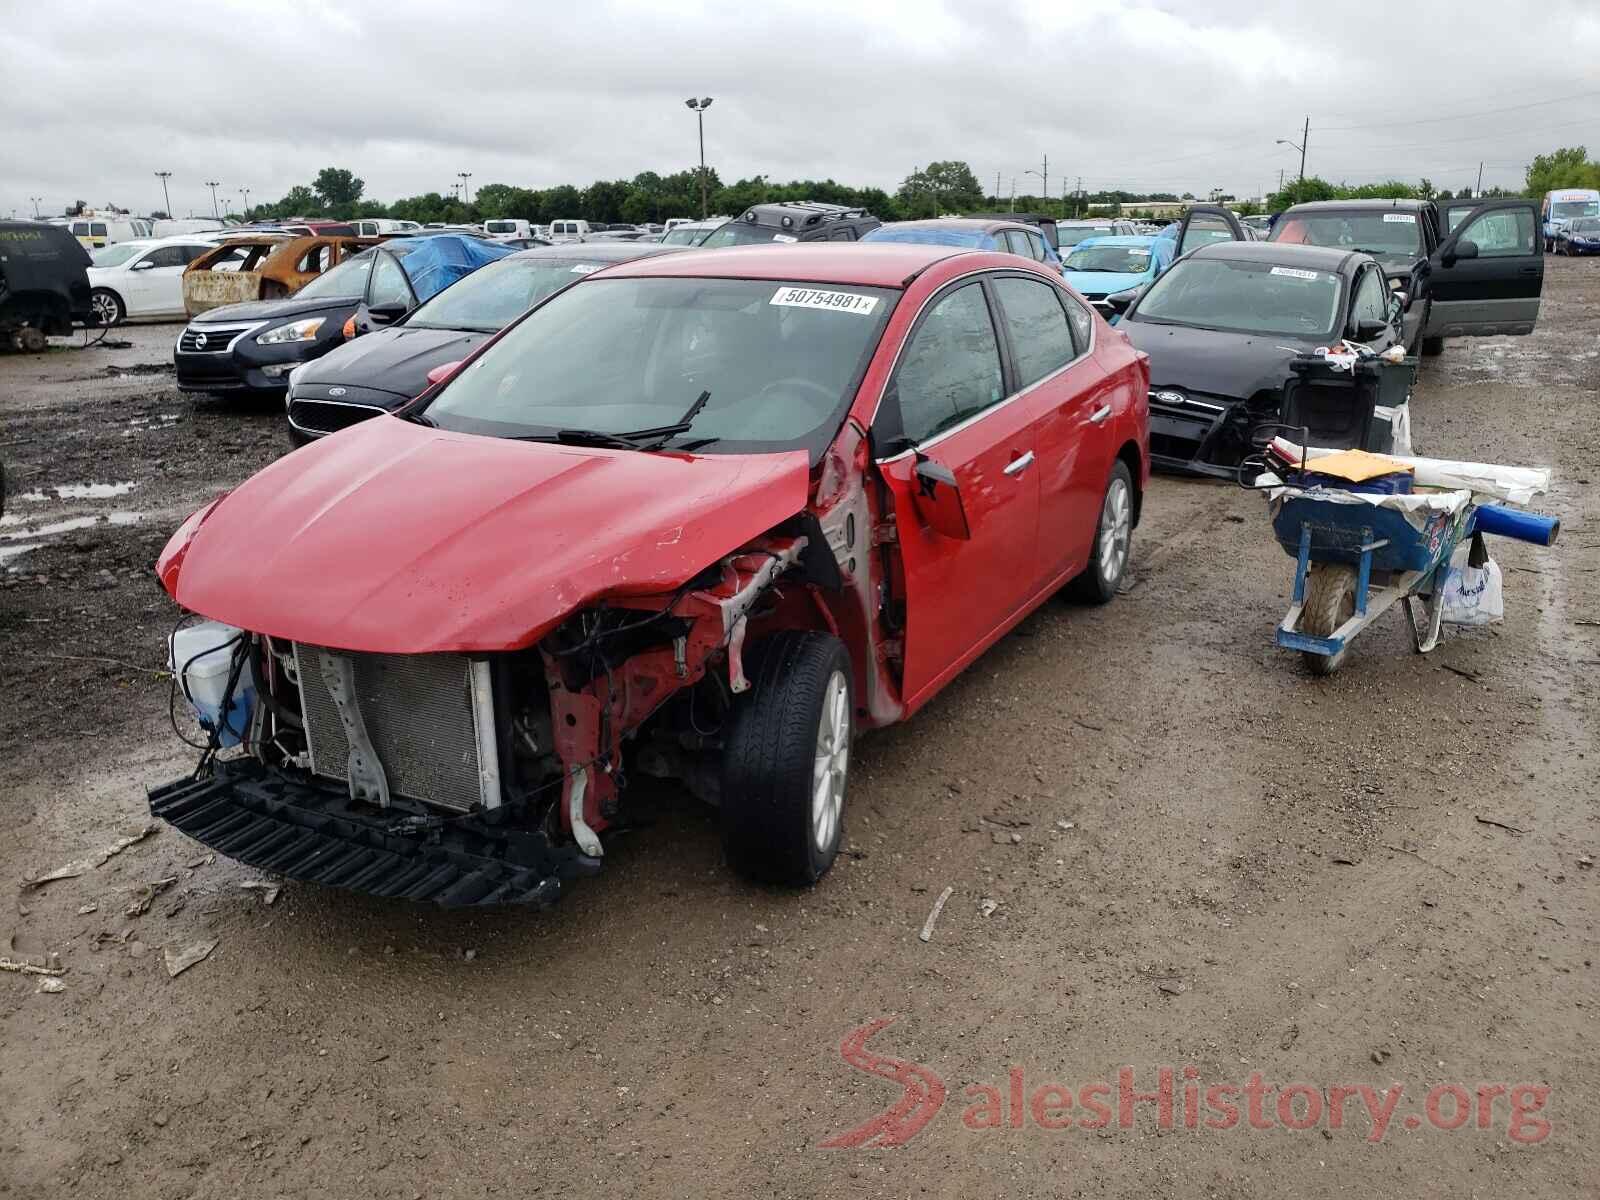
1330, 602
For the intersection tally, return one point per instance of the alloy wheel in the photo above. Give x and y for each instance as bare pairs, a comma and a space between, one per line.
832, 764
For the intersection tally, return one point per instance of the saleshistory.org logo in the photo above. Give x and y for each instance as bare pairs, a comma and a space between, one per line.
1178, 1097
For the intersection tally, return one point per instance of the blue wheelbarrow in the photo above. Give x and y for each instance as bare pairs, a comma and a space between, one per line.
1354, 560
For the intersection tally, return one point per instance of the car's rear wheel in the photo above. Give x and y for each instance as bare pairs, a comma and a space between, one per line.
1330, 602
786, 759
108, 307
1432, 347
1113, 540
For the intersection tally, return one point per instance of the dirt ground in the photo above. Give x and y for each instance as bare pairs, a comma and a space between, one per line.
1198, 857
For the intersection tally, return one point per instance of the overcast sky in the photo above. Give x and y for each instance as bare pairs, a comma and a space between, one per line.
1171, 95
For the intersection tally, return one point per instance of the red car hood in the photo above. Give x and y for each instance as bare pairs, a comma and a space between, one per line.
397, 538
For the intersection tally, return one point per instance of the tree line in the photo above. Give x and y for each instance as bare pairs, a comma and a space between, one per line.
939, 188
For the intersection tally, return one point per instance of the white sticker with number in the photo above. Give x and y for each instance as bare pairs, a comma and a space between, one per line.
784, 237
845, 302
1400, 218
1295, 272
584, 268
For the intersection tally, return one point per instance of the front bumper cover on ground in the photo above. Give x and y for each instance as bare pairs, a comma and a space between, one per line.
291, 826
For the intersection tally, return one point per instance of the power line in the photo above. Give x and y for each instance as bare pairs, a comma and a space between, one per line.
1461, 116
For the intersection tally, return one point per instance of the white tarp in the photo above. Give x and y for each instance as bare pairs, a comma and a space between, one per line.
1416, 507
1519, 485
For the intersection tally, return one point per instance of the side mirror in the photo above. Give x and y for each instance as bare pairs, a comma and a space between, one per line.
1466, 249
1403, 299
443, 371
144, 265
1367, 330
1120, 302
938, 500
387, 314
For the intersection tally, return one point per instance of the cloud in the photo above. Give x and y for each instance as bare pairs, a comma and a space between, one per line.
1179, 96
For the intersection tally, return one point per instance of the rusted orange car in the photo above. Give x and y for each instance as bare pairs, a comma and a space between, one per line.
262, 266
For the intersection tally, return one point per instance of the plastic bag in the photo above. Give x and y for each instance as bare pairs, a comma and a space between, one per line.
1472, 589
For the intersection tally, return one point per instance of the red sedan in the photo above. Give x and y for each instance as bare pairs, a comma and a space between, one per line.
702, 517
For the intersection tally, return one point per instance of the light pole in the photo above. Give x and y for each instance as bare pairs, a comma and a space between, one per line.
35, 201
699, 107
245, 192
466, 190
214, 184
1044, 179
1305, 138
164, 176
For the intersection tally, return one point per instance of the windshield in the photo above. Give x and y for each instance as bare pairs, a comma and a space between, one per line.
491, 298
1374, 232
1121, 260
683, 235
347, 281
780, 363
932, 236
1243, 297
115, 255
1566, 209
745, 233
1071, 235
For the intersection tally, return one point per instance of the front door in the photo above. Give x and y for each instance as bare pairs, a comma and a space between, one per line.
1207, 223
1486, 275
950, 401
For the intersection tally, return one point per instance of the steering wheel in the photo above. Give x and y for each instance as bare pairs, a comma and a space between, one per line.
799, 383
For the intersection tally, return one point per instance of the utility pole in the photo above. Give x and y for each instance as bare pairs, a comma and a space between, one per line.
1044, 180
245, 192
1305, 140
35, 200
1479, 191
1013, 193
164, 176
466, 189
1077, 196
997, 189
214, 184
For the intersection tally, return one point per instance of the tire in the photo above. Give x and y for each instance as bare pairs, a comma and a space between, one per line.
1330, 602
786, 759
1113, 541
298, 439
108, 306
1432, 347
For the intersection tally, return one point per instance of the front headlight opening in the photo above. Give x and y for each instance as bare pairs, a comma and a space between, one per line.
295, 331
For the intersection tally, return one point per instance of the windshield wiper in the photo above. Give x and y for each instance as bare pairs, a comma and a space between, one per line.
656, 438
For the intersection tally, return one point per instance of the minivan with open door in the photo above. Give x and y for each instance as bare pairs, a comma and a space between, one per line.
1487, 273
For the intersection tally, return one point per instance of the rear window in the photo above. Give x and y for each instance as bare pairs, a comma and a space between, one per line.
1374, 232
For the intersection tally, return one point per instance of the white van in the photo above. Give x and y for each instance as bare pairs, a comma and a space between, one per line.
178, 226
378, 226
507, 229
95, 231
568, 231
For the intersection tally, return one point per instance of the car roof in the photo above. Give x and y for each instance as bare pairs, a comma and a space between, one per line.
599, 251
866, 264
1287, 254
1316, 206
1080, 222
977, 224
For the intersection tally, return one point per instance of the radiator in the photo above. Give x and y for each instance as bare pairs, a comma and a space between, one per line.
430, 718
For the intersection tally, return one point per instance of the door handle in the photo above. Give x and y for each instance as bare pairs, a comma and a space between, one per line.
1528, 271
1099, 415
1018, 465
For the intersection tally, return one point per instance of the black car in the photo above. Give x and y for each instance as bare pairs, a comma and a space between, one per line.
254, 346
1222, 328
378, 373
794, 221
44, 283
1466, 267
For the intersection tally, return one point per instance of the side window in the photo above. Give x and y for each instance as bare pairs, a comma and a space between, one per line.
1017, 242
951, 368
1369, 302
389, 284
1037, 325
1202, 230
97, 229
317, 259
842, 234
1502, 233
168, 256
1036, 246
1082, 322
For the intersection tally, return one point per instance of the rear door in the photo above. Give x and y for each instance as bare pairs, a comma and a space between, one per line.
1487, 274
949, 401
1207, 223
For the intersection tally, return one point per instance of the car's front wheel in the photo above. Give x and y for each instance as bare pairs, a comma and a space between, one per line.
1113, 539
786, 759
108, 307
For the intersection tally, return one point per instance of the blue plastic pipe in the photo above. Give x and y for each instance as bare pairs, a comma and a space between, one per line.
1524, 527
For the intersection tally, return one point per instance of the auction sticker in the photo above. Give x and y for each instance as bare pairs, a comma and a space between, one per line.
1295, 272
1400, 218
849, 302
584, 268
784, 237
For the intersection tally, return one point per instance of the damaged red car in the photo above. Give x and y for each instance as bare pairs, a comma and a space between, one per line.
703, 517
